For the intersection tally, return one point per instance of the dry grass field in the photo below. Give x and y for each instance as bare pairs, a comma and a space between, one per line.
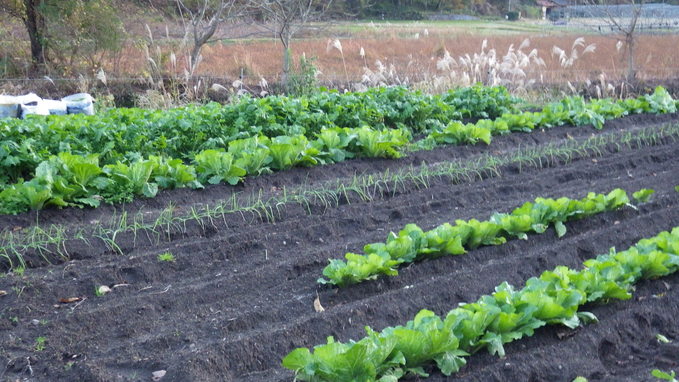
411, 53
430, 55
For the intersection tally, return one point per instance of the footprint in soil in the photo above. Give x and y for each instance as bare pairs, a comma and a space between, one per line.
668, 357
608, 355
395, 215
132, 275
616, 359
20, 365
585, 252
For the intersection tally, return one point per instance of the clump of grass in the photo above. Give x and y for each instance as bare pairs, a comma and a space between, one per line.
381, 75
170, 85
166, 257
568, 60
488, 68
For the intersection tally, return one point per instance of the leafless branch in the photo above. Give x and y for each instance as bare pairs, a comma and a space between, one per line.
626, 26
287, 17
204, 17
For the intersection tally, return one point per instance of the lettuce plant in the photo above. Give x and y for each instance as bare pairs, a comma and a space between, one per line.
506, 315
412, 243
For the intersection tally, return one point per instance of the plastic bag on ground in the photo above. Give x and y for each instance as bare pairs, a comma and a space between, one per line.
35, 108
81, 103
55, 107
9, 107
28, 99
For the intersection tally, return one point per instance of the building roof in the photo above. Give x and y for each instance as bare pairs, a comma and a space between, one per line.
553, 3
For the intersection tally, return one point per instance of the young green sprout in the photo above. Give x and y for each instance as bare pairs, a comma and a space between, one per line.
166, 257
664, 376
40, 343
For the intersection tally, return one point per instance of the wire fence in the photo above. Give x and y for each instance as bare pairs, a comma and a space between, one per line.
414, 74
649, 17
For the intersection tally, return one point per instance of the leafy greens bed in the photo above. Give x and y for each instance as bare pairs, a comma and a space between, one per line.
83, 160
75, 180
413, 244
569, 111
127, 135
501, 317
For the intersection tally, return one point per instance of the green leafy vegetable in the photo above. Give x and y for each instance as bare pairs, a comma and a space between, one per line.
663, 375
643, 195
412, 243
506, 315
215, 166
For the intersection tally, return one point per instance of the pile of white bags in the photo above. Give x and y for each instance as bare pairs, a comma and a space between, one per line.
21, 106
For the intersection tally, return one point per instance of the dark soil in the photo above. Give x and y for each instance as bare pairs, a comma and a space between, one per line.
240, 294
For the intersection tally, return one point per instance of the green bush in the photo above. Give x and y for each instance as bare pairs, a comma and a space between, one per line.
302, 80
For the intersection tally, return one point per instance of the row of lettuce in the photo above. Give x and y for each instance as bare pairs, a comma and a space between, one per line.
61, 176
126, 135
413, 244
508, 314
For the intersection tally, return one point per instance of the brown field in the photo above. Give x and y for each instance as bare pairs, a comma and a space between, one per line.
394, 53
414, 59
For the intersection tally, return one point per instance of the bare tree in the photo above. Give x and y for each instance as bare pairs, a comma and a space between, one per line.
205, 16
628, 30
286, 18
623, 19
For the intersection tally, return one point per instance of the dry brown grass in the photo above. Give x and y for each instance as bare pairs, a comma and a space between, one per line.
393, 53
414, 59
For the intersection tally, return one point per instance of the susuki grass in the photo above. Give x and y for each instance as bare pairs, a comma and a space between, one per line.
414, 59
511, 70
382, 53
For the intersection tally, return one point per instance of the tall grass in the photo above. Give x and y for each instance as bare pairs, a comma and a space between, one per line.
401, 59
432, 57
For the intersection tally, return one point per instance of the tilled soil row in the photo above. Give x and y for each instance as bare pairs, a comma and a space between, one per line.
238, 299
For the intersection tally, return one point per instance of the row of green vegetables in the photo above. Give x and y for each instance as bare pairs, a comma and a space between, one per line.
129, 135
573, 111
69, 179
413, 244
554, 297
126, 135
75, 180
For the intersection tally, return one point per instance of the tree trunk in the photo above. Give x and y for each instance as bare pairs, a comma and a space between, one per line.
35, 25
195, 54
287, 59
631, 66
202, 36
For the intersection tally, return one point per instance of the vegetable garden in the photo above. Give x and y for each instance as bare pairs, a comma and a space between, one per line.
246, 242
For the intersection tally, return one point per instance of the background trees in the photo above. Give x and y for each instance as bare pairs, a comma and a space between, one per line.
67, 32
31, 15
